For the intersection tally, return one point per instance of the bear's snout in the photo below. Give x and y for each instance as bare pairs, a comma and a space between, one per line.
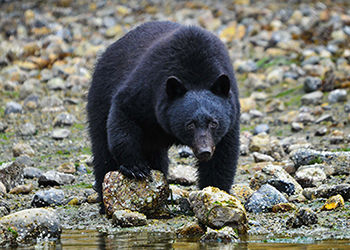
204, 153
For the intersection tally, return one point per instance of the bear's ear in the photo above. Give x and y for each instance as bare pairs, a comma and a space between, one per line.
174, 87
221, 86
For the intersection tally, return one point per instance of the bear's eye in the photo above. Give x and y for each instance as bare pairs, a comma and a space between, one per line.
190, 125
213, 124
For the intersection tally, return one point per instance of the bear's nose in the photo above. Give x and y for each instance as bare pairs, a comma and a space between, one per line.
204, 154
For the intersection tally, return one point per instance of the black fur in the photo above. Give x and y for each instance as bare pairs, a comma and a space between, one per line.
159, 85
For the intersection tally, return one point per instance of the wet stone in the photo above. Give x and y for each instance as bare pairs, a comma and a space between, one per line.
297, 126
190, 229
216, 209
226, 235
321, 131
128, 218
263, 199
32, 226
303, 217
46, 198
283, 207
145, 196
53, 178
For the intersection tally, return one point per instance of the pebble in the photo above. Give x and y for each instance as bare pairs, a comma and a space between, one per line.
333, 203
224, 235
303, 217
310, 176
13, 108
183, 175
28, 129
21, 149
312, 84
53, 178
313, 98
60, 133
338, 95
63, 119
263, 199
127, 218
67, 168
47, 198
261, 128
56, 83
31, 172
325, 118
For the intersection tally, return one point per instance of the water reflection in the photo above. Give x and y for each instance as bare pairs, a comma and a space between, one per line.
78, 239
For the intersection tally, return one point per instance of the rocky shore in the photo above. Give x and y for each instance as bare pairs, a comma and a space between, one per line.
292, 67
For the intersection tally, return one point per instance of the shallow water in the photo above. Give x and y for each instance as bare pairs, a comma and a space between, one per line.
79, 239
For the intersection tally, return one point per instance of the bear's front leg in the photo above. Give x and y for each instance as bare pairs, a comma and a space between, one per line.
220, 170
124, 143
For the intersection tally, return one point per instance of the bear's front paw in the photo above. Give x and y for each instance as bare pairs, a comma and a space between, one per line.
139, 171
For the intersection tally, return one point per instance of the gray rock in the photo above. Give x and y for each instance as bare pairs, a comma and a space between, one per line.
31, 102
63, 119
321, 131
21, 149
311, 60
11, 175
245, 118
216, 209
3, 127
51, 101
303, 217
339, 160
145, 196
338, 95
45, 75
226, 235
2, 189
274, 172
304, 118
53, 178
263, 199
60, 133
24, 160
325, 191
313, 98
261, 128
262, 157
310, 176
28, 87
31, 226
312, 84
184, 175
297, 126
46, 198
28, 129
56, 83
127, 218
12, 108
325, 118
264, 144
31, 172
283, 186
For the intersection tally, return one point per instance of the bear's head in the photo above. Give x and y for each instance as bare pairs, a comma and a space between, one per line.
199, 118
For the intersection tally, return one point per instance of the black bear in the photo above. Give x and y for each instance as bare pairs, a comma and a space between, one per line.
163, 84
